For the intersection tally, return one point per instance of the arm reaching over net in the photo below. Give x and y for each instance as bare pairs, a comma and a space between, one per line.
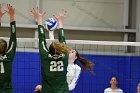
54, 61
60, 17
12, 43
38, 16
73, 69
7, 54
10, 51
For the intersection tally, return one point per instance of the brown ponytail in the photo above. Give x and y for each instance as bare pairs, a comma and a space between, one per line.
85, 63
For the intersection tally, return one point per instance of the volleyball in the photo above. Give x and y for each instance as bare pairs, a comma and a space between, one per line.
50, 24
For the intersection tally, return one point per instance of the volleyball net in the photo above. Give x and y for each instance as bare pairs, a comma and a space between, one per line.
111, 58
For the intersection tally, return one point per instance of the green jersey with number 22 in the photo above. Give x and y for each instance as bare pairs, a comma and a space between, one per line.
54, 68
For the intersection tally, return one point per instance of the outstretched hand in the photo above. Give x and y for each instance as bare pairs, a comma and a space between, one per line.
60, 17
38, 16
11, 11
1, 12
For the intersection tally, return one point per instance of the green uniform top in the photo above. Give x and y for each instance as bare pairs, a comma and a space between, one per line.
53, 68
6, 61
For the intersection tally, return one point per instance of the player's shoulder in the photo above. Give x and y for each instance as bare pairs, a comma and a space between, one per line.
107, 89
77, 67
120, 90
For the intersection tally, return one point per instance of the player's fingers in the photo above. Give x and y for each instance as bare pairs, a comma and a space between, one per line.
55, 16
37, 9
32, 13
8, 6
4, 11
33, 10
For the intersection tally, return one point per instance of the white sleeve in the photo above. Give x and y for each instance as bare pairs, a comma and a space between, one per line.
75, 78
51, 35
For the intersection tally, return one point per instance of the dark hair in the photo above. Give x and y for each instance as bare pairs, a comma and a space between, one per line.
3, 46
116, 80
84, 62
114, 77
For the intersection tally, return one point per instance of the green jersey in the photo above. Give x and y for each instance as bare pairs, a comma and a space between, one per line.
6, 61
53, 68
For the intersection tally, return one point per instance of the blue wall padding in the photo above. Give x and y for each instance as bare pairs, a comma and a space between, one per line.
26, 73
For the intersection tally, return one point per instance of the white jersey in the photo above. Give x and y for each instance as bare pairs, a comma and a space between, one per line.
73, 75
109, 90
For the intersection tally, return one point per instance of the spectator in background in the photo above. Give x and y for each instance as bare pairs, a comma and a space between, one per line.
113, 86
138, 88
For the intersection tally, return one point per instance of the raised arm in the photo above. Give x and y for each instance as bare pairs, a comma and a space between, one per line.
59, 17
13, 42
38, 16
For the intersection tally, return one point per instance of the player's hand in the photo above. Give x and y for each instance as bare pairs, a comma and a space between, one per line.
38, 16
38, 88
11, 11
1, 12
60, 17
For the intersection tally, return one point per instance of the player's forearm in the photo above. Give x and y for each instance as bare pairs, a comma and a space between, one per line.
12, 41
60, 25
51, 35
61, 35
13, 26
13, 31
41, 32
42, 42
39, 21
12, 19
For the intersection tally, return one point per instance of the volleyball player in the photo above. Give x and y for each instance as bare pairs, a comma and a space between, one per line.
7, 54
73, 69
54, 61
